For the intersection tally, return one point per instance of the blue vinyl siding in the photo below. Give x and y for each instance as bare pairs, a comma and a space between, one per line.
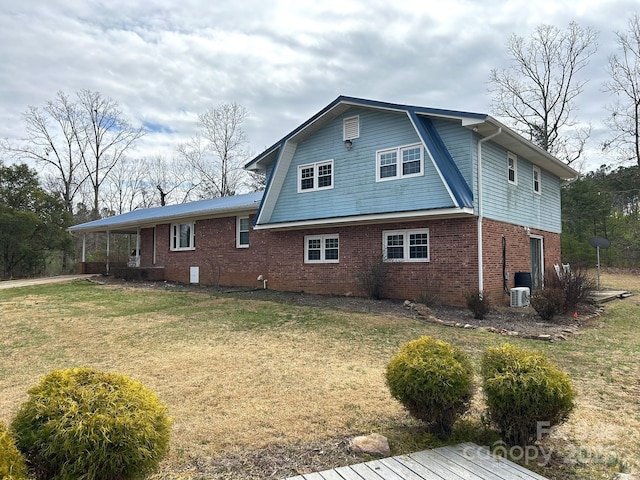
458, 141
355, 190
519, 204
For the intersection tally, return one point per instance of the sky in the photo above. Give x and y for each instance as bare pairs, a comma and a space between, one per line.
166, 61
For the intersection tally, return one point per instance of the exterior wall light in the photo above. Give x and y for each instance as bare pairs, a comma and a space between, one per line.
348, 144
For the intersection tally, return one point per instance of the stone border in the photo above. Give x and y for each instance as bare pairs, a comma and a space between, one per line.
425, 313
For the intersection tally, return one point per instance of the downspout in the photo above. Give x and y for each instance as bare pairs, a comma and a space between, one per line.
480, 212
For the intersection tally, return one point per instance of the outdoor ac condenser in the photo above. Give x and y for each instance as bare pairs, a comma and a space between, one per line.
520, 297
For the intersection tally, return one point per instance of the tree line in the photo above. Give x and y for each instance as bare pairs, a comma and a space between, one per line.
84, 143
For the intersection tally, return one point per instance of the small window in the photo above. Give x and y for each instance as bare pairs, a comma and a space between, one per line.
351, 128
399, 162
315, 176
321, 249
512, 165
406, 245
537, 187
183, 236
242, 232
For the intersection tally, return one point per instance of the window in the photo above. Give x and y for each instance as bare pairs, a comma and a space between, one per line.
315, 176
351, 128
242, 232
399, 162
406, 245
537, 187
512, 162
321, 249
183, 236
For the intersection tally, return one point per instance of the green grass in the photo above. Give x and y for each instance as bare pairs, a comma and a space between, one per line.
241, 374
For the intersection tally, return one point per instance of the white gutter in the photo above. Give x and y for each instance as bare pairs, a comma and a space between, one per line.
480, 213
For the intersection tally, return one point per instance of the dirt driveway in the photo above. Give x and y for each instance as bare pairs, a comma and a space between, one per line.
41, 281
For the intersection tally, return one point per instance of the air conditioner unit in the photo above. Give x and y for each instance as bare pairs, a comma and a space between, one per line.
520, 297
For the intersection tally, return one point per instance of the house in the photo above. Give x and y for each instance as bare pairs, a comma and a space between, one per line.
433, 201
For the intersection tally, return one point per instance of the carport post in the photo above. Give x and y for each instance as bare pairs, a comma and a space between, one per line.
107, 252
84, 247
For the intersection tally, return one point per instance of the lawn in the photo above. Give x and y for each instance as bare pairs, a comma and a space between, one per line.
258, 389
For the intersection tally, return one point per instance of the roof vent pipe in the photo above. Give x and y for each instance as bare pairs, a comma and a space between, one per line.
480, 210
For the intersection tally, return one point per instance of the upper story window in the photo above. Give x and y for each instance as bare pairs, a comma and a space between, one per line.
399, 162
315, 176
183, 236
242, 232
351, 128
321, 249
537, 180
512, 166
406, 245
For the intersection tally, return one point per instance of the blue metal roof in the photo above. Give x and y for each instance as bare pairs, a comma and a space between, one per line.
155, 215
342, 99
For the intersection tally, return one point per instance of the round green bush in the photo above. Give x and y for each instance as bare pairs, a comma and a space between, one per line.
83, 423
12, 465
526, 394
433, 380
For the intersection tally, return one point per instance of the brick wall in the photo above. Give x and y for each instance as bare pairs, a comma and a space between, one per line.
279, 257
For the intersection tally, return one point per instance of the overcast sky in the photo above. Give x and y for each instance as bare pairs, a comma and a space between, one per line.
166, 61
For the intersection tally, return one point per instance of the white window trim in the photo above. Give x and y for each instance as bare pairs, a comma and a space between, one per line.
322, 239
399, 168
316, 167
537, 170
238, 231
406, 234
175, 234
514, 157
345, 136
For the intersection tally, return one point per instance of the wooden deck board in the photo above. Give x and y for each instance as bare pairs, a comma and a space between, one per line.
465, 461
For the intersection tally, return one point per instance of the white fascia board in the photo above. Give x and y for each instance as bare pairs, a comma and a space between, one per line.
372, 218
283, 163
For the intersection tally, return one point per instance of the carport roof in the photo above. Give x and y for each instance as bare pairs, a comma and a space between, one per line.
149, 217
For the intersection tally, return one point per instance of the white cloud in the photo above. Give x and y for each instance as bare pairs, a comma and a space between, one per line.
166, 61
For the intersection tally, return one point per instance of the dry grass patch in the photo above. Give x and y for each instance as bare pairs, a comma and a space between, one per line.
257, 386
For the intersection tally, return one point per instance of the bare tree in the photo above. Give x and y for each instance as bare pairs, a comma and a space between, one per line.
126, 189
51, 141
624, 70
217, 153
104, 139
538, 92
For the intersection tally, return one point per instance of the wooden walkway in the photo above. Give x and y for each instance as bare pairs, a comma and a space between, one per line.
466, 461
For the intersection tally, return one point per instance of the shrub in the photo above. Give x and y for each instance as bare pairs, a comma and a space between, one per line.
523, 388
12, 466
548, 302
83, 423
478, 303
372, 277
575, 286
433, 380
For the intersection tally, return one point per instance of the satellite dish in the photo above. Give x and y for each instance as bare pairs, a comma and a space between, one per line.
599, 242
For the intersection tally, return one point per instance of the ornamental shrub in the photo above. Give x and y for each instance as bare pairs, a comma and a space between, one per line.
548, 302
478, 303
83, 423
433, 380
12, 465
526, 394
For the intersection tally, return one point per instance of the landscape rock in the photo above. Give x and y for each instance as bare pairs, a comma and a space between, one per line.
624, 476
374, 444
